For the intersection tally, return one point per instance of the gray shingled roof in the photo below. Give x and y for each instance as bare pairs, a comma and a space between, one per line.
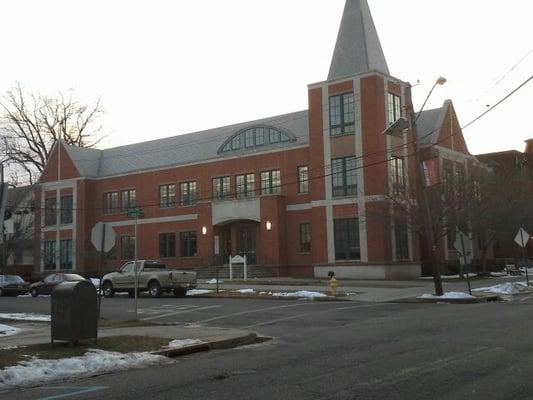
358, 48
429, 124
181, 149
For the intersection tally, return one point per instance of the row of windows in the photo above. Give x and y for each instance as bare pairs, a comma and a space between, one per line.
65, 254
342, 112
51, 214
255, 137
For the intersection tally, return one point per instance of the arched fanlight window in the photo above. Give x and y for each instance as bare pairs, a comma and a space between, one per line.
256, 136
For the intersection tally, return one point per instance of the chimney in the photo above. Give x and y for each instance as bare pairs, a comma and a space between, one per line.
529, 148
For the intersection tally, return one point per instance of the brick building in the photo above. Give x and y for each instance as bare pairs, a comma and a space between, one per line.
300, 194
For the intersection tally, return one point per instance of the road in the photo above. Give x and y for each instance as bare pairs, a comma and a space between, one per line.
325, 350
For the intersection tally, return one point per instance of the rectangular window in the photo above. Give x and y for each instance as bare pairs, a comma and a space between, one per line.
273, 135
50, 211
188, 244
259, 136
127, 247
303, 179
249, 137
167, 196
344, 176
245, 185
221, 187
394, 108
401, 239
167, 245
49, 256
398, 175
341, 114
448, 182
65, 254
305, 237
110, 203
346, 237
66, 210
271, 182
128, 199
459, 182
187, 193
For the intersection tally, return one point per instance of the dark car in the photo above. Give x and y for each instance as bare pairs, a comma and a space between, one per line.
13, 285
49, 283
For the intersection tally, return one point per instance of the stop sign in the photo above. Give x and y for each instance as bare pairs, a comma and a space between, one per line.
97, 233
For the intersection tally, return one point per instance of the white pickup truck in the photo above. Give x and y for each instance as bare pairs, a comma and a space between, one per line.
153, 277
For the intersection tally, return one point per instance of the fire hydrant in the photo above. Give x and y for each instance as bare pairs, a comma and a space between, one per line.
333, 286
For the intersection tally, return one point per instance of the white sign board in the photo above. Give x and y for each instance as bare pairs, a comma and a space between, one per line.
237, 259
96, 237
522, 237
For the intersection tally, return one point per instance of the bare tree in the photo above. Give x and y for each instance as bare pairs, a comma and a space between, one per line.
32, 123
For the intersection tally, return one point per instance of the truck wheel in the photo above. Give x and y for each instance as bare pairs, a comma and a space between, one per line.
180, 292
154, 288
108, 289
34, 292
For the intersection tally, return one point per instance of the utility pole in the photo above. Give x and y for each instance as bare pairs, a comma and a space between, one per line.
3, 202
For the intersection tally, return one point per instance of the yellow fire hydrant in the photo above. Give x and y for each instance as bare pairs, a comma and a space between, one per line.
333, 286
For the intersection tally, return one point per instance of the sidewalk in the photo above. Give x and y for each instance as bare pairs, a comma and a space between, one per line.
360, 290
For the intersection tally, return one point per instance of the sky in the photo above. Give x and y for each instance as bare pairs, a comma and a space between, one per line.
163, 68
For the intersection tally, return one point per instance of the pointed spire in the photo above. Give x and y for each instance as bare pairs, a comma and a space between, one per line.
358, 48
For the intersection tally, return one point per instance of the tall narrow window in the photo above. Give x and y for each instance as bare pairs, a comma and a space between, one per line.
305, 237
346, 237
398, 175
187, 193
50, 214
49, 256
65, 254
245, 185
188, 244
167, 245
221, 187
341, 114
401, 239
303, 179
128, 199
167, 196
394, 108
459, 182
111, 203
271, 182
344, 176
66, 210
127, 247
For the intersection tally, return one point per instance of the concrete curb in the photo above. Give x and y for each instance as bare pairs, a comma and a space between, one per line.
477, 300
244, 297
247, 339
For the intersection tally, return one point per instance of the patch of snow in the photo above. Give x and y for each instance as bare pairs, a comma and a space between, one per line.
6, 330
213, 281
11, 347
263, 293
498, 274
448, 296
25, 317
444, 277
195, 292
245, 291
177, 343
504, 288
299, 294
37, 371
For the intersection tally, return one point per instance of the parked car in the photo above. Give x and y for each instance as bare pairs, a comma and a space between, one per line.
49, 283
153, 276
13, 285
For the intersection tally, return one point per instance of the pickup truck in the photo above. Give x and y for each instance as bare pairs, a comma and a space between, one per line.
153, 276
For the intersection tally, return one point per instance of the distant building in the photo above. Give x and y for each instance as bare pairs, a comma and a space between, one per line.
296, 193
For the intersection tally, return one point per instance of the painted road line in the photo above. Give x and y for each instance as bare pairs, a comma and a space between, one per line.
250, 312
77, 391
180, 312
273, 321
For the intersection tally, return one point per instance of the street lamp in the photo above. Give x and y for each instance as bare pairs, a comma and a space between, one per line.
397, 129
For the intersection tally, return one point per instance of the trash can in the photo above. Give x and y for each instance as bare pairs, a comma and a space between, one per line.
74, 312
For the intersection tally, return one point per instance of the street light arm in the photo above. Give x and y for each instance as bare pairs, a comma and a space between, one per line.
439, 81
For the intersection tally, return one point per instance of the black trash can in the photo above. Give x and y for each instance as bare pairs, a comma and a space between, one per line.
74, 312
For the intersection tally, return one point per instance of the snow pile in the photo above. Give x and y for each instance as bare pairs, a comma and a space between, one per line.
177, 343
213, 281
6, 330
195, 292
37, 371
10, 347
25, 317
447, 296
299, 294
504, 288
245, 291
